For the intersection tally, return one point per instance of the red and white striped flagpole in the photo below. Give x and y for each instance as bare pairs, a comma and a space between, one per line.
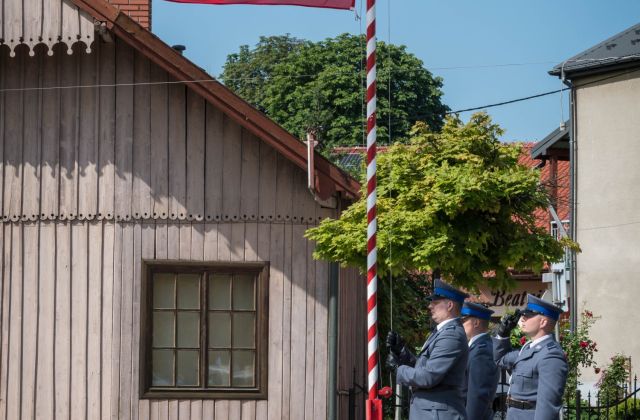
374, 405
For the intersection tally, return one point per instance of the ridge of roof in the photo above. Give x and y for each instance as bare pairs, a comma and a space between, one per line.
604, 54
330, 178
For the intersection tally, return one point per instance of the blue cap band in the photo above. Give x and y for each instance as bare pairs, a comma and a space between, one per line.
449, 294
543, 311
474, 312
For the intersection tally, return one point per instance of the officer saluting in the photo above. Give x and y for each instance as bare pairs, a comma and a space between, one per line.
539, 369
482, 372
437, 374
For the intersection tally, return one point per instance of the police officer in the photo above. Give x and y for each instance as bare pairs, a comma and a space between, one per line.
539, 369
437, 374
482, 372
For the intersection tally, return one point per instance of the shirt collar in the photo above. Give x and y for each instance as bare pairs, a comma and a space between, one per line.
475, 337
539, 340
445, 322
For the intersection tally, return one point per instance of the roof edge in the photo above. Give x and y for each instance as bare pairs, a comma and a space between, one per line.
139, 38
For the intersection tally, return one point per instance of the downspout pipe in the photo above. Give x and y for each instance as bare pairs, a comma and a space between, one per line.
332, 387
573, 166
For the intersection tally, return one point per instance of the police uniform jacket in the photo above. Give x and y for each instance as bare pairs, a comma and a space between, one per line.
482, 379
538, 374
437, 375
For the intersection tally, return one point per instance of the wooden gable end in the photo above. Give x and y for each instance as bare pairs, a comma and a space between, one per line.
48, 22
110, 135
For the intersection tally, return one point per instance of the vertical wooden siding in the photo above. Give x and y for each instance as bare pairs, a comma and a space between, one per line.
76, 147
96, 179
352, 341
71, 317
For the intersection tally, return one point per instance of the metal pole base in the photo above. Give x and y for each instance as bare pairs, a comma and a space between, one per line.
374, 409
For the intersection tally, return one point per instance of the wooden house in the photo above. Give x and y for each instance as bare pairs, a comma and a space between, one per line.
153, 258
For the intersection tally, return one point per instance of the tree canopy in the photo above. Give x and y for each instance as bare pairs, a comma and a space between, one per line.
455, 200
306, 85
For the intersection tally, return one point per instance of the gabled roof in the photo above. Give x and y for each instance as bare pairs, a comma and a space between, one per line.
329, 177
555, 143
619, 51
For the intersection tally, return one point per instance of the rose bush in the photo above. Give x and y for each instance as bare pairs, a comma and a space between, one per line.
579, 350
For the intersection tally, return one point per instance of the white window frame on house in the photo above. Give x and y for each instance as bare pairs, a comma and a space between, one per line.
163, 373
553, 228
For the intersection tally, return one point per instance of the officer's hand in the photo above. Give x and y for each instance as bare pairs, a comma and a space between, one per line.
394, 343
508, 323
392, 361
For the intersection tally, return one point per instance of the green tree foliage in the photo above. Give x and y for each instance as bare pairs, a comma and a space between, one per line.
320, 85
457, 200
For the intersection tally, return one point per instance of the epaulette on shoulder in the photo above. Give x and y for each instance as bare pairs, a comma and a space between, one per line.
552, 345
480, 345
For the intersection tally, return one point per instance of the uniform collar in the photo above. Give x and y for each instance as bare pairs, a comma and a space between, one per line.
475, 338
445, 322
539, 340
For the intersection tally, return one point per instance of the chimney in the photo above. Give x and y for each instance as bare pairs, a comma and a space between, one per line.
138, 10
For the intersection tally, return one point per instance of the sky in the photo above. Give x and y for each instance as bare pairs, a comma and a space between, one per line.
486, 51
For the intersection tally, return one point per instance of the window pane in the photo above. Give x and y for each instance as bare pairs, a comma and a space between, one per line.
243, 292
188, 291
243, 368
220, 292
163, 329
219, 329
163, 288
244, 329
162, 370
187, 368
218, 368
188, 329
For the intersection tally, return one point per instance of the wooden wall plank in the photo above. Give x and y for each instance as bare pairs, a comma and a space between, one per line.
321, 330
69, 76
276, 300
136, 284
267, 183
196, 410
197, 241
310, 332
29, 327
208, 410
94, 327
6, 306
49, 165
177, 152
235, 412
3, 140
107, 129
13, 130
124, 130
108, 280
141, 194
14, 381
195, 156
149, 409
286, 322
213, 165
87, 138
79, 295
62, 341
159, 143
263, 254
126, 322
232, 167
119, 285
32, 119
184, 410
284, 189
173, 409
298, 321
249, 190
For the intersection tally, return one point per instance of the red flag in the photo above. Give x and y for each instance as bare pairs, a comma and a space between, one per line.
327, 4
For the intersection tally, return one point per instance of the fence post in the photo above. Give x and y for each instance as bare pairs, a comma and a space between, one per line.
578, 404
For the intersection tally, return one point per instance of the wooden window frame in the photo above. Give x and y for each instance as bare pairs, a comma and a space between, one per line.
259, 392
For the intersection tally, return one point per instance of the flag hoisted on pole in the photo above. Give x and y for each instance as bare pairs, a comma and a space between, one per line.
327, 4
374, 404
